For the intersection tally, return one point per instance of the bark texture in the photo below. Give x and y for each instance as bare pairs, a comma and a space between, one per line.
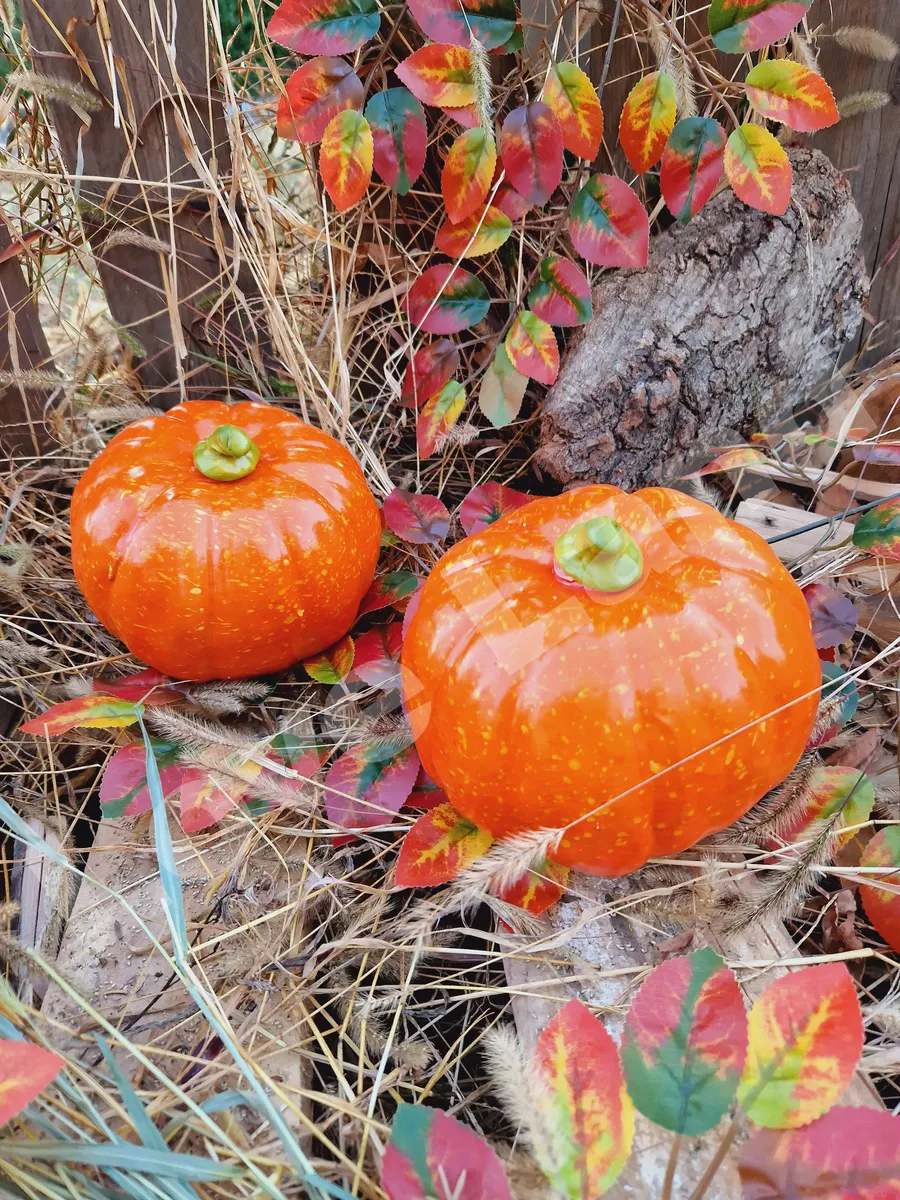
736, 318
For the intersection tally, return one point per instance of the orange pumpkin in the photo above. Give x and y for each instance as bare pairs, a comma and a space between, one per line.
634, 669
220, 540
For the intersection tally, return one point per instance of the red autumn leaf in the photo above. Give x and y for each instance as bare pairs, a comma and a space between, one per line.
562, 295
488, 503
439, 847
786, 91
531, 148
883, 906
123, 788
426, 795
692, 165
438, 416
738, 26
93, 711
467, 116
332, 665
432, 366
432, 1155
206, 796
532, 348
439, 74
587, 1111
840, 792
446, 299
370, 783
345, 159
314, 95
25, 1071
608, 225
878, 531
833, 616
571, 96
394, 588
148, 687
399, 136
482, 232
648, 117
849, 1154
758, 169
538, 888
685, 1043
467, 174
731, 460
324, 26
377, 661
419, 519
508, 200
806, 1036
492, 22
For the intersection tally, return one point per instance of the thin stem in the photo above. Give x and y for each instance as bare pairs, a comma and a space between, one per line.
716, 1161
666, 1193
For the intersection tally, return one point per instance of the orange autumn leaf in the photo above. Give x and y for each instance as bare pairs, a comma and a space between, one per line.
731, 460
345, 159
439, 74
648, 117
467, 174
758, 169
570, 94
805, 1039
532, 348
439, 847
539, 887
786, 91
93, 711
25, 1071
438, 416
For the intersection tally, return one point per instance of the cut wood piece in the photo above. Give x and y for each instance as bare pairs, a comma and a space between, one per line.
592, 929
736, 318
769, 519
42, 888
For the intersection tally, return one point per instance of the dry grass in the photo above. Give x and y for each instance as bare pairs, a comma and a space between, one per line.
342, 995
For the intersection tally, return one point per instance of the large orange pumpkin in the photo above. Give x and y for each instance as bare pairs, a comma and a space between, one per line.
634, 668
220, 540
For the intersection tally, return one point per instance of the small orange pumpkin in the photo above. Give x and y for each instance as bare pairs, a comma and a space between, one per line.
220, 541
634, 669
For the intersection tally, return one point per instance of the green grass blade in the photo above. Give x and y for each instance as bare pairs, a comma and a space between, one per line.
123, 1155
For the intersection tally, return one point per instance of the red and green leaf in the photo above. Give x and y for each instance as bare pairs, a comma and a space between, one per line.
439, 74
586, 1110
531, 149
685, 1043
438, 416
832, 613
758, 169
324, 26
837, 792
883, 906
377, 661
492, 22
508, 200
532, 348
738, 27
25, 1071
432, 1155
570, 95
692, 165
420, 519
488, 503
332, 665
806, 1036
878, 531
467, 174
731, 460
426, 795
432, 366
446, 299
608, 225
390, 590
439, 847
849, 1154
562, 295
123, 789
399, 137
648, 117
205, 797
537, 888
502, 390
93, 711
345, 159
313, 97
482, 232
148, 687
370, 783
786, 91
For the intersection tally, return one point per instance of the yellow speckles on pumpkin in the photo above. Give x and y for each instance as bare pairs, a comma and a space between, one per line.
729, 757
574, 764
655, 767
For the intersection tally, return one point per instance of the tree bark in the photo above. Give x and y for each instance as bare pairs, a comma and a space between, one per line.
736, 317
139, 165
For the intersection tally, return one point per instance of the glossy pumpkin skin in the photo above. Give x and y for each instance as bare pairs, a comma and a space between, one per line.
664, 711
212, 580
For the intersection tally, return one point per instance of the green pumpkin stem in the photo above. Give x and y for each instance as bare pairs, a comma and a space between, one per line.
227, 454
600, 554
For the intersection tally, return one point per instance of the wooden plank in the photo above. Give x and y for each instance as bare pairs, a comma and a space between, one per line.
769, 519
41, 887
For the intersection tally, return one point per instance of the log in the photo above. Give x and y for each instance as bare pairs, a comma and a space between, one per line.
737, 317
